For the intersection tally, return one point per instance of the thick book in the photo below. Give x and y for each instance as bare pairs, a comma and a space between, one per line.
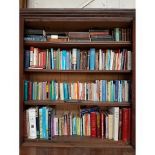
32, 123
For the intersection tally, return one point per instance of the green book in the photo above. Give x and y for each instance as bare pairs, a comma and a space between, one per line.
25, 90
117, 35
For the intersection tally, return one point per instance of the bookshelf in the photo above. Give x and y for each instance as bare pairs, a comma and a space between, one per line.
77, 20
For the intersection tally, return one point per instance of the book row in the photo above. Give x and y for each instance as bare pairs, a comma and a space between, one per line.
45, 123
114, 34
99, 90
77, 59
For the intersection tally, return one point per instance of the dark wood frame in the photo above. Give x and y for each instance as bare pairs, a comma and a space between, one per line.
115, 16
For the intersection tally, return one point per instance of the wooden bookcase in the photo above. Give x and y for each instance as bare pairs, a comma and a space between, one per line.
77, 20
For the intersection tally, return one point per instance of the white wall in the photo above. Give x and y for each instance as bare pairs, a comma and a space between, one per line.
81, 3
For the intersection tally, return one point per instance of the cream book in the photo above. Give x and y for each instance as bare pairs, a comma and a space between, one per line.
115, 112
32, 123
110, 126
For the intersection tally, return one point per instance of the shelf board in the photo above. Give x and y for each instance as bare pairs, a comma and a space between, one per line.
76, 141
98, 44
79, 71
81, 103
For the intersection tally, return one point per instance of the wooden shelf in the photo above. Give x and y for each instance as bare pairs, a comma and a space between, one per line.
76, 141
79, 71
106, 44
81, 103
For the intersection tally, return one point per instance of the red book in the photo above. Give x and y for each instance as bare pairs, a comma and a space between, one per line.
125, 125
30, 90
44, 59
102, 124
129, 127
93, 123
98, 125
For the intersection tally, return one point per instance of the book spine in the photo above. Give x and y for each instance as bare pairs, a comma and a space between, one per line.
26, 90
110, 126
93, 120
125, 124
74, 58
32, 123
92, 59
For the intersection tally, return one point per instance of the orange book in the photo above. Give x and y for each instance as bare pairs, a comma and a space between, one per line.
75, 91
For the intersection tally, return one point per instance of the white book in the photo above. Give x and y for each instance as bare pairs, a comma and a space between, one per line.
110, 126
85, 86
106, 125
115, 112
32, 123
56, 89
35, 58
100, 90
100, 59
31, 57
61, 92
129, 62
111, 60
74, 57
55, 126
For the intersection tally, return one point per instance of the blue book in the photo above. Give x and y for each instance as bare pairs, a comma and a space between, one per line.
92, 59
25, 90
67, 61
78, 59
52, 59
109, 57
33, 91
44, 122
104, 83
64, 55
27, 59
120, 91
65, 91
112, 91
74, 126
53, 91
116, 90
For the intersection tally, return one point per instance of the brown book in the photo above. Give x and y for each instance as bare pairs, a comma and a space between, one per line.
81, 59
78, 35
98, 125
57, 40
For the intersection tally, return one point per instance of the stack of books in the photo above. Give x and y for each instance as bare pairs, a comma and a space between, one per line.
44, 123
78, 59
35, 35
101, 35
99, 90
